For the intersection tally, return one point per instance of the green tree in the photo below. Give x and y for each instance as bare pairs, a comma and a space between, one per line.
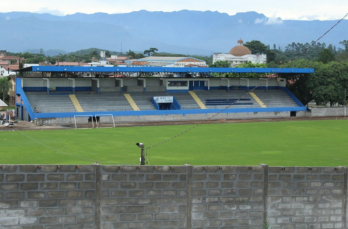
300, 84
271, 55
107, 54
150, 51
326, 85
345, 44
5, 86
342, 57
221, 64
256, 46
326, 56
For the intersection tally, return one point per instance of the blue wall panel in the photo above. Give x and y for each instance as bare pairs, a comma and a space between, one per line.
177, 91
38, 89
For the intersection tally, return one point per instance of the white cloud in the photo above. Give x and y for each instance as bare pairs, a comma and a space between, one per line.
50, 11
240, 21
274, 21
260, 20
269, 21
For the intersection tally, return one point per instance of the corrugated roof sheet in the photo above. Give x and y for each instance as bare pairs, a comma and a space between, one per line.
2, 104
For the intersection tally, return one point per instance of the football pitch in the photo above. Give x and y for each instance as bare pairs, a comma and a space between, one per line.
286, 143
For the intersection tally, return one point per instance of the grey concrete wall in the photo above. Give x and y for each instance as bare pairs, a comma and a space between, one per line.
328, 111
306, 197
71, 196
161, 118
47, 196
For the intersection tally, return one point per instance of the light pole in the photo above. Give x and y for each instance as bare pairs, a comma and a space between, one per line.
142, 158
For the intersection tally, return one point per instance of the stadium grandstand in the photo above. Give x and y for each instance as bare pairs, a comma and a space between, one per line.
50, 95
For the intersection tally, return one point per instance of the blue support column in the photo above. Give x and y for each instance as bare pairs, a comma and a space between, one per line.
21, 117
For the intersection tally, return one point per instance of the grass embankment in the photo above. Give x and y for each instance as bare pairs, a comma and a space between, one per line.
291, 143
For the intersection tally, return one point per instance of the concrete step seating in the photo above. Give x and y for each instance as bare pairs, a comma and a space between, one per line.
275, 98
233, 95
212, 102
41, 102
131, 102
105, 101
114, 101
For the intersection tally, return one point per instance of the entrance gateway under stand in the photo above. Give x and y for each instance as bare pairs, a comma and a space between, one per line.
166, 103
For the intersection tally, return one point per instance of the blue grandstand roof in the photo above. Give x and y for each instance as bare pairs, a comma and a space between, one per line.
164, 69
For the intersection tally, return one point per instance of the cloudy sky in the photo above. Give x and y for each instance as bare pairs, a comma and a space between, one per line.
294, 9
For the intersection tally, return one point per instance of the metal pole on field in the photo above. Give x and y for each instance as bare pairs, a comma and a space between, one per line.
142, 157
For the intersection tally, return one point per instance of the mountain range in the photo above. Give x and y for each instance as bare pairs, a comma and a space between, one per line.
186, 32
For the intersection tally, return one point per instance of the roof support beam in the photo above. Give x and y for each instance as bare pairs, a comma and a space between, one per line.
96, 79
73, 84
144, 83
48, 85
247, 85
121, 84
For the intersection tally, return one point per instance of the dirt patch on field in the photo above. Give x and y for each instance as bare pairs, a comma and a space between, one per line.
31, 126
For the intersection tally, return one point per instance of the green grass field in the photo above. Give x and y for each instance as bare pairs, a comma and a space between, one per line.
290, 143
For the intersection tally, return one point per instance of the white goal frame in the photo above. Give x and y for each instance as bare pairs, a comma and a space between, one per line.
83, 116
104, 115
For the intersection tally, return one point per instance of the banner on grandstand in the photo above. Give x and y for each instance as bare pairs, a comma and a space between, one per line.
163, 99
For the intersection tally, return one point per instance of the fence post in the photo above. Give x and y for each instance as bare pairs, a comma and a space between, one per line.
265, 193
98, 196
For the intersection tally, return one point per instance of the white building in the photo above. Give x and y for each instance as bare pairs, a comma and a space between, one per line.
8, 70
239, 55
165, 61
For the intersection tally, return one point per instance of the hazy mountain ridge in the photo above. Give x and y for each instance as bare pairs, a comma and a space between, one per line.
188, 32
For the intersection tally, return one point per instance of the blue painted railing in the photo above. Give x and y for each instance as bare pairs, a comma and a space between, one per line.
176, 105
298, 102
155, 104
26, 103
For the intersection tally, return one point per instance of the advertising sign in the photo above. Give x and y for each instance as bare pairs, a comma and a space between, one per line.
163, 99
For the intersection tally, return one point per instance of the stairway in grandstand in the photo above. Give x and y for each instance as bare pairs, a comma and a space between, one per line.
76, 103
275, 98
219, 99
144, 100
41, 102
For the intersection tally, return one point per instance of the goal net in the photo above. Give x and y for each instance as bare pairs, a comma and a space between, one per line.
104, 120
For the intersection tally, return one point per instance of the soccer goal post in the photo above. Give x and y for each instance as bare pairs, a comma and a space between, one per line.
83, 116
98, 117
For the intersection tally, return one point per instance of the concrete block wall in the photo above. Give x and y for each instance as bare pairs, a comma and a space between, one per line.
328, 111
207, 197
301, 197
144, 197
224, 197
47, 196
